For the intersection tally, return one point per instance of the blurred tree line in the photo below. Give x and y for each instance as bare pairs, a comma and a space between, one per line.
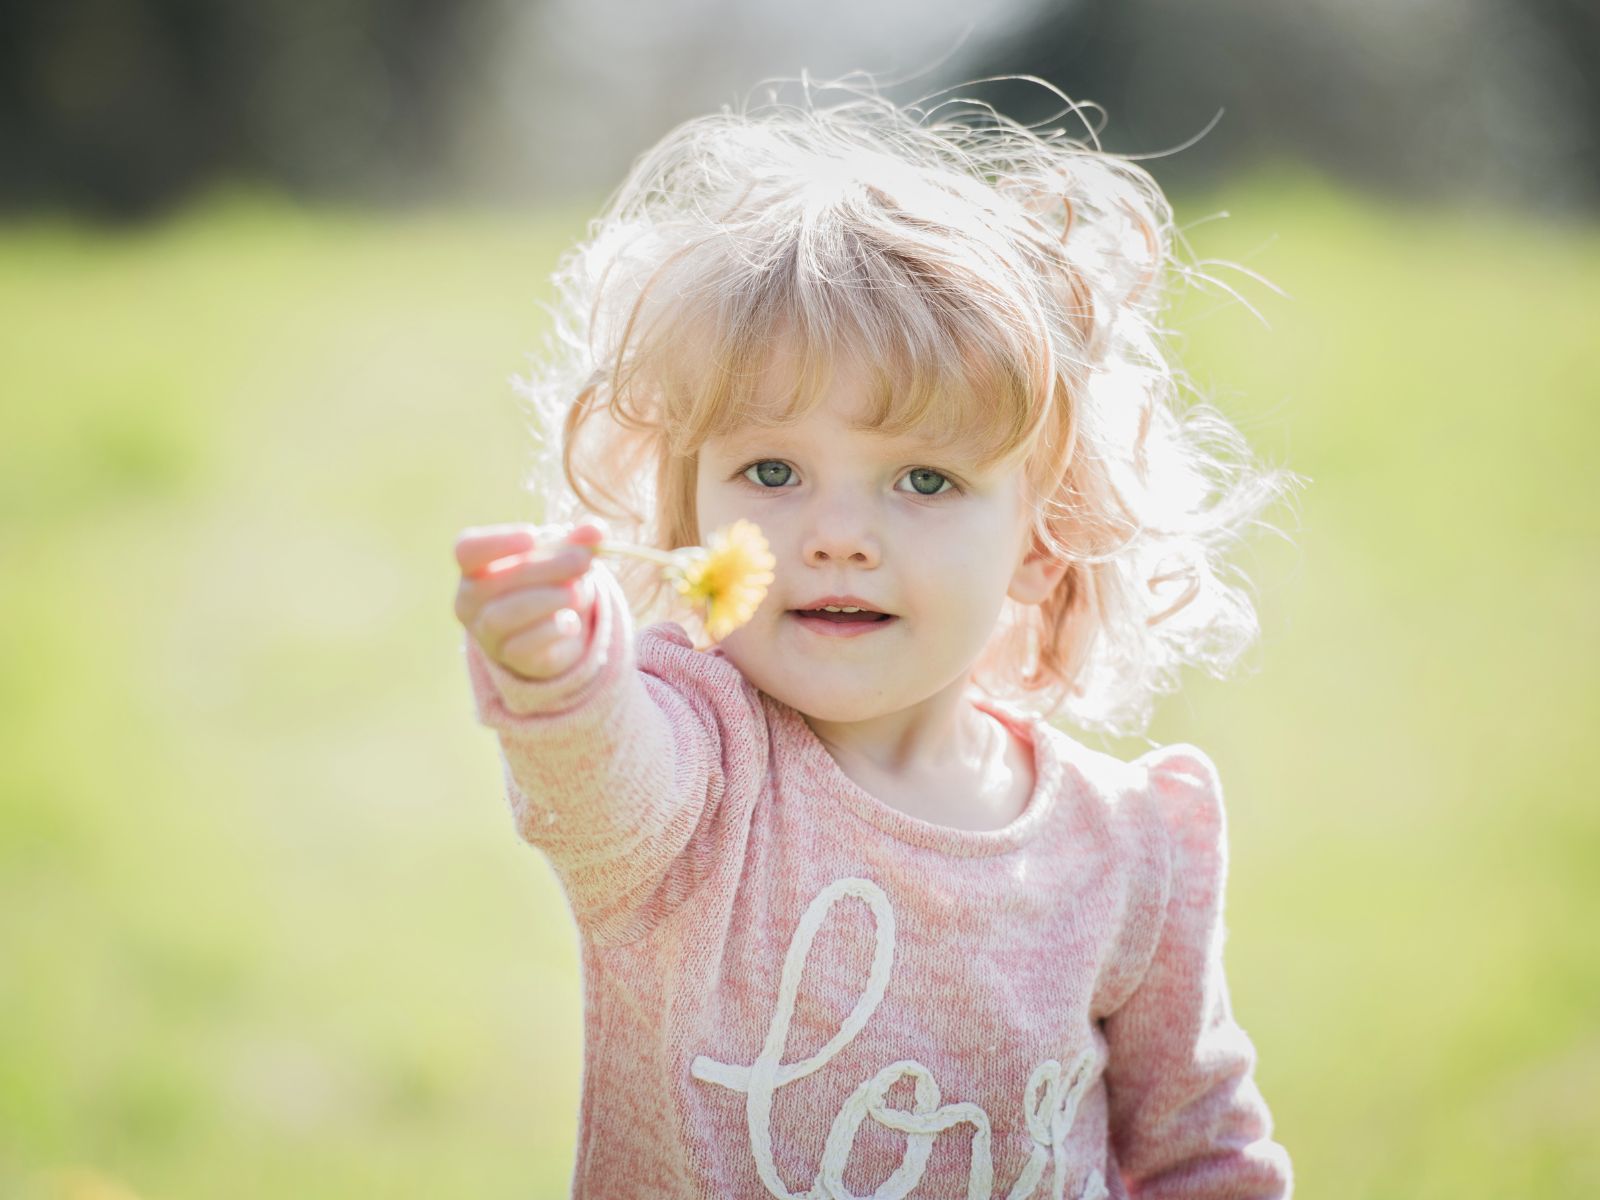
124, 107
1499, 98
121, 107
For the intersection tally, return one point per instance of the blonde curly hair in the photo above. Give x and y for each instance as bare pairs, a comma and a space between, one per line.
999, 280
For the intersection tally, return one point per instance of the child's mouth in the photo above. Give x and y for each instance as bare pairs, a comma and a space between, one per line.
823, 614
840, 624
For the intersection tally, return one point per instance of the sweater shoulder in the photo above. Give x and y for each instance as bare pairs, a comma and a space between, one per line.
1119, 790
665, 651
1184, 793
1161, 817
705, 683
1174, 787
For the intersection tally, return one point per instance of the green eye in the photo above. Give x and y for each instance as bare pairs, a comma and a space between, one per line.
770, 474
928, 483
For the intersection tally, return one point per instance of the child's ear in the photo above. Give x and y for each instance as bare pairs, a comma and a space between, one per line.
1036, 576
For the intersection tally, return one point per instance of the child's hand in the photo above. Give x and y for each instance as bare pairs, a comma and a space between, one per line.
525, 595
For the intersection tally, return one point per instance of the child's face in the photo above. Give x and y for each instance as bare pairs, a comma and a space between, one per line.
910, 529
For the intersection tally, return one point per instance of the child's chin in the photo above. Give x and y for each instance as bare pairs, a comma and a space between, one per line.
822, 692
832, 706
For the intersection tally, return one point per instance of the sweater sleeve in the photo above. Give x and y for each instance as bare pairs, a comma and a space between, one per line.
1187, 1120
615, 773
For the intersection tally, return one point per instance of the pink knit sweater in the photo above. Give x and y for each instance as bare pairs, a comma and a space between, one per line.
792, 989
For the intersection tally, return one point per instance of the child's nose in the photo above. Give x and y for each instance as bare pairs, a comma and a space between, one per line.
841, 540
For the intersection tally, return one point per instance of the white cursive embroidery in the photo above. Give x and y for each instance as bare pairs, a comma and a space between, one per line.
1049, 1103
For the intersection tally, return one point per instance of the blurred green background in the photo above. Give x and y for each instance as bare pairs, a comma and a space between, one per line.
265, 927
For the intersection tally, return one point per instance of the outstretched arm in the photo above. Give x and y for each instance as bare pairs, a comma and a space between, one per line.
1187, 1120
610, 771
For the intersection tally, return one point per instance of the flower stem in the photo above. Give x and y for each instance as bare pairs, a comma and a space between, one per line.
628, 549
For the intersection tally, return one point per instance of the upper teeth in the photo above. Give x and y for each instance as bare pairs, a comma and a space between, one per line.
836, 608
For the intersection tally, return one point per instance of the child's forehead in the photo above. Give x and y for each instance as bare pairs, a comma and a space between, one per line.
804, 392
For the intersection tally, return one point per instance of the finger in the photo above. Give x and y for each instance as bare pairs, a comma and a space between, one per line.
589, 533
506, 577
548, 568
479, 546
512, 613
545, 648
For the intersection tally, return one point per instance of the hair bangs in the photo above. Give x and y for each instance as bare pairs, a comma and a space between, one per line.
766, 343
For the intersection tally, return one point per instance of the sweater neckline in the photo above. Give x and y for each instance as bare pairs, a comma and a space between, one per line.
818, 767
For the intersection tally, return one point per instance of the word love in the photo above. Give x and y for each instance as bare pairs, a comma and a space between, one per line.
1049, 1103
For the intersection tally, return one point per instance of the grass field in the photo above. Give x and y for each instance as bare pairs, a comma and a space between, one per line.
265, 930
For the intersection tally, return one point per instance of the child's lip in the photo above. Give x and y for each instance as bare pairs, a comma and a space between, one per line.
823, 627
841, 602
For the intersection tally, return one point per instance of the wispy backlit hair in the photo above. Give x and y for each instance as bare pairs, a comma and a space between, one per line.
1001, 282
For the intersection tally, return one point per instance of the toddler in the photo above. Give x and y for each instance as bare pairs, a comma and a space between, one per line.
855, 918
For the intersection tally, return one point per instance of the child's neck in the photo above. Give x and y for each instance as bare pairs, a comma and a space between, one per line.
949, 764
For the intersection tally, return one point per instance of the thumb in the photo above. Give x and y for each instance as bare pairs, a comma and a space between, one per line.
591, 532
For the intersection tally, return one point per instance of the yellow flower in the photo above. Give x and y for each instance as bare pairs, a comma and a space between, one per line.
726, 579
